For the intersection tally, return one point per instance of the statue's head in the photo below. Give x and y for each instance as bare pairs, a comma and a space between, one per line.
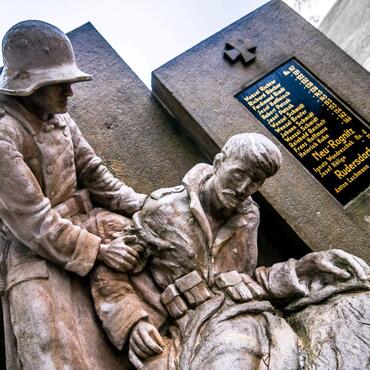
241, 168
37, 54
39, 61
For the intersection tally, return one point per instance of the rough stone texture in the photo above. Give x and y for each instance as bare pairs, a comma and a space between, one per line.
123, 123
348, 25
198, 87
329, 343
136, 137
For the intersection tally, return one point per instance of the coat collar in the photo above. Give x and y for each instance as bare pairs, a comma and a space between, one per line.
30, 122
192, 182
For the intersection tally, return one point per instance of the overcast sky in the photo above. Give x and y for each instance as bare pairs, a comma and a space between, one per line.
145, 33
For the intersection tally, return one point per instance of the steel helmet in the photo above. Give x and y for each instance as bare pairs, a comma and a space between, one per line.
37, 54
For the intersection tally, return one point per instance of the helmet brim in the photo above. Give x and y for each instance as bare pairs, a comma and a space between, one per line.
27, 84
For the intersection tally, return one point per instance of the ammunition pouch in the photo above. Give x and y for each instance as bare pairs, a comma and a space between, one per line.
189, 290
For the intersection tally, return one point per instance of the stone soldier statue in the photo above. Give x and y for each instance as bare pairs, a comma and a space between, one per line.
215, 309
52, 231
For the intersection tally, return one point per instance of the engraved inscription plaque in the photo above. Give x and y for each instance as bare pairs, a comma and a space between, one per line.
331, 141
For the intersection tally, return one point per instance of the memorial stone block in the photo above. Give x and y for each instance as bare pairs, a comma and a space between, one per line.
304, 93
197, 241
124, 124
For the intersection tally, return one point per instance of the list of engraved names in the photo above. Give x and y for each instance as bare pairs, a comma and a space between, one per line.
329, 140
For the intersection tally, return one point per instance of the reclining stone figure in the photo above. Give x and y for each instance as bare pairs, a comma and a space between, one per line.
197, 300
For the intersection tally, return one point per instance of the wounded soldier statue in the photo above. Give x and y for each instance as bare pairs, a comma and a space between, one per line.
195, 298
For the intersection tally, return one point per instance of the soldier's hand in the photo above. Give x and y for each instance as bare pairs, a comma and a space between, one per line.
145, 341
333, 261
118, 255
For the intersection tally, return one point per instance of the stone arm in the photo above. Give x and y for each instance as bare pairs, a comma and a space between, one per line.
281, 282
104, 188
29, 216
314, 277
121, 301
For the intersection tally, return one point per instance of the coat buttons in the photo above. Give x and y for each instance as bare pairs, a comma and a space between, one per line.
2, 112
49, 170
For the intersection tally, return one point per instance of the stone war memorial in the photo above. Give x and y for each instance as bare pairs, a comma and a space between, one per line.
220, 221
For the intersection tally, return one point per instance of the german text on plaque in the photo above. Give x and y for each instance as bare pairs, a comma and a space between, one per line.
316, 127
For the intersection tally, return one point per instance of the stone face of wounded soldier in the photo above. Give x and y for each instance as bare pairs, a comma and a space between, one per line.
239, 171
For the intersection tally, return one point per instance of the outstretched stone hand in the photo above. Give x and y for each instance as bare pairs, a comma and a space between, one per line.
119, 255
145, 341
333, 261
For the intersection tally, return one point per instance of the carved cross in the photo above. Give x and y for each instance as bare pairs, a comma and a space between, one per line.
240, 50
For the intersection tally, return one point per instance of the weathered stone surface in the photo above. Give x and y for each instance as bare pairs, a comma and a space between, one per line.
106, 112
326, 336
131, 132
201, 250
123, 123
198, 87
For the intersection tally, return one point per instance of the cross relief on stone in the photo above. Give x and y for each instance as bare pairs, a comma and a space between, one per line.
244, 51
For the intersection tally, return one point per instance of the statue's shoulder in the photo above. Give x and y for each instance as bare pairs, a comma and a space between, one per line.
165, 192
8, 124
163, 203
67, 120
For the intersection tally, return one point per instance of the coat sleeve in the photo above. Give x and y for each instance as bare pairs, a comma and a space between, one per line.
121, 301
105, 189
29, 216
281, 282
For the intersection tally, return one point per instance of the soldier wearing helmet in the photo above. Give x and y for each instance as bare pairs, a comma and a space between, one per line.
56, 203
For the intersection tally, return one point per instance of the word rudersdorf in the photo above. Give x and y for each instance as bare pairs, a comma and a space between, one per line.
329, 140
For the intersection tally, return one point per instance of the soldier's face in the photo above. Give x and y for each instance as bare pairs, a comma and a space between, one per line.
235, 180
53, 99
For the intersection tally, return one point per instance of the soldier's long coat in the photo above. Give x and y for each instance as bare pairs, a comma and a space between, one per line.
49, 319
